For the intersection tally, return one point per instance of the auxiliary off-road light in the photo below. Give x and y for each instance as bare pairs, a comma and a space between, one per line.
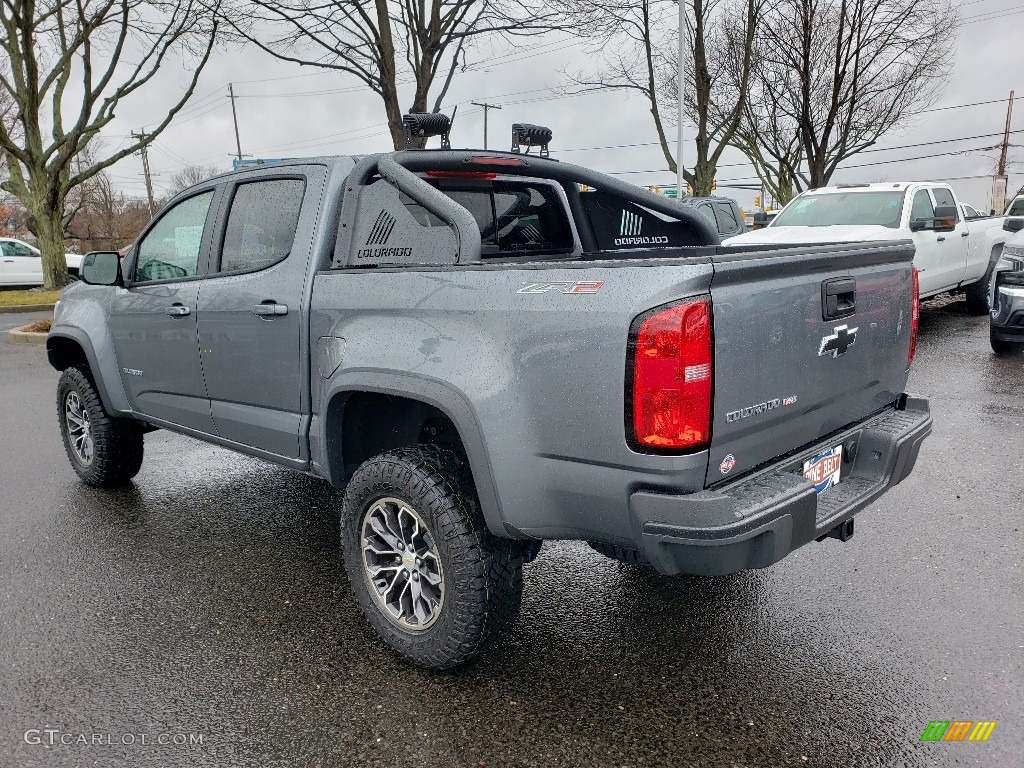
526, 135
423, 125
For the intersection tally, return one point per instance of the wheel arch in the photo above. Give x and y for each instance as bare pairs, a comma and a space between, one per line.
69, 347
413, 404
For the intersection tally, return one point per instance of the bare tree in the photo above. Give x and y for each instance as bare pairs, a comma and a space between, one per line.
638, 44
105, 218
191, 174
369, 38
846, 72
67, 67
769, 137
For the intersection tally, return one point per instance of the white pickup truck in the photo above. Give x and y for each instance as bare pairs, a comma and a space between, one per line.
21, 264
952, 254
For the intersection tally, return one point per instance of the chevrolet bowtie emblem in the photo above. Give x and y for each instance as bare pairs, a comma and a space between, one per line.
841, 340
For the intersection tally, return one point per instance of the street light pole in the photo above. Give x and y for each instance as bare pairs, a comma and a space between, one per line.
684, 26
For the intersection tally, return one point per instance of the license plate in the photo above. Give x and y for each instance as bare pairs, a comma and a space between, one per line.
823, 468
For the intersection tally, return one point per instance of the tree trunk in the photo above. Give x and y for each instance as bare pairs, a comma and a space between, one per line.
50, 231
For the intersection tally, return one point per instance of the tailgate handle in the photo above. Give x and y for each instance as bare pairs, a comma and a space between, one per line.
838, 298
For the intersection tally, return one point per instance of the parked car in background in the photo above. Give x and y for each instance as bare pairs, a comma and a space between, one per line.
21, 263
1006, 323
723, 213
970, 212
952, 254
1016, 206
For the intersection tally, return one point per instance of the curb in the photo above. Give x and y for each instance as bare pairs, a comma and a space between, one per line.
16, 308
18, 336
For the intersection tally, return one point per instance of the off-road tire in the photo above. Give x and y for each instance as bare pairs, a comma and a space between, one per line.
1001, 347
483, 575
623, 555
117, 443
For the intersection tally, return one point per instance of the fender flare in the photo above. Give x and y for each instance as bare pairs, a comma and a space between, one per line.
115, 402
451, 402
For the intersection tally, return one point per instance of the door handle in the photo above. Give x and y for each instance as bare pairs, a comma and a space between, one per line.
178, 311
8, 261
270, 310
965, 234
838, 298
941, 238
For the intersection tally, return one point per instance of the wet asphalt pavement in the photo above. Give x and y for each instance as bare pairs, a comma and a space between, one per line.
208, 602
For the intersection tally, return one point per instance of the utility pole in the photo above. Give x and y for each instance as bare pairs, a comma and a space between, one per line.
145, 170
486, 107
999, 182
234, 114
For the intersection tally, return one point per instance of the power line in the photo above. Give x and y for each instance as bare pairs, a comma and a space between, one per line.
994, 15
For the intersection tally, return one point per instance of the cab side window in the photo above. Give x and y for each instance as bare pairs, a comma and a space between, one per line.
261, 225
170, 250
944, 197
21, 249
922, 207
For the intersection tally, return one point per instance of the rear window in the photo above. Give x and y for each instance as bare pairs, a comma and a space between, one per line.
516, 218
726, 218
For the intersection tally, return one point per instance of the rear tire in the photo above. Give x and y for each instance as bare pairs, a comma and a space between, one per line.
1001, 347
104, 451
441, 588
977, 293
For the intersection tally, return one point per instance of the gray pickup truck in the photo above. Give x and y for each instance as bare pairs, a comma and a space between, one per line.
490, 349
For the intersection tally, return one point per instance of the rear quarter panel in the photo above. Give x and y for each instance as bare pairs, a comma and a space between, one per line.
542, 374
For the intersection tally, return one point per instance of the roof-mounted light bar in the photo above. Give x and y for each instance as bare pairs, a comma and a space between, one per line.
531, 136
423, 125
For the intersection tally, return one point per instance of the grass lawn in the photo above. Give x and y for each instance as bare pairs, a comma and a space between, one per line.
11, 298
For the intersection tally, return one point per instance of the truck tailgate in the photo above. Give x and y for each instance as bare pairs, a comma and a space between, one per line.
807, 341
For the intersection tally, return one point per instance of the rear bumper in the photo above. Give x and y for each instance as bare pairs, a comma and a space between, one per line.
761, 518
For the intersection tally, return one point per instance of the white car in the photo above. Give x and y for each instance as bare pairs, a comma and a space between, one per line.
21, 263
970, 212
952, 254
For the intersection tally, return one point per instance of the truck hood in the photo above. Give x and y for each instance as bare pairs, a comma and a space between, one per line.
839, 233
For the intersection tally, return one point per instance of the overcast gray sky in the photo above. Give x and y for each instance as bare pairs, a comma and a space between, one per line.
289, 111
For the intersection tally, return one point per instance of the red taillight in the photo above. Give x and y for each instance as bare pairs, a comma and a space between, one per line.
915, 315
672, 369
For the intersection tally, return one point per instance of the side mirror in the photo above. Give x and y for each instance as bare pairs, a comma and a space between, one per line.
945, 218
101, 268
916, 225
1013, 225
760, 217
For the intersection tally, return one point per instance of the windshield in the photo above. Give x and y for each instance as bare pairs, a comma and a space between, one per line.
854, 207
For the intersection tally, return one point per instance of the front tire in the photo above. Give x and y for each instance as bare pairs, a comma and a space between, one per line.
1001, 347
430, 578
104, 451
